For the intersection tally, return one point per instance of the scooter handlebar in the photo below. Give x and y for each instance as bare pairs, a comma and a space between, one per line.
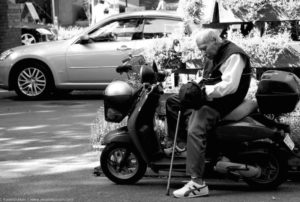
123, 69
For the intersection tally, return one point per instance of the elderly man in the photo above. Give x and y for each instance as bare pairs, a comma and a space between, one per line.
226, 78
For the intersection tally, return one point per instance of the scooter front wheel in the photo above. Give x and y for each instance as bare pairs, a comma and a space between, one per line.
122, 164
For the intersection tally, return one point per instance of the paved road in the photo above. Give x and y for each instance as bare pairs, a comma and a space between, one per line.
45, 155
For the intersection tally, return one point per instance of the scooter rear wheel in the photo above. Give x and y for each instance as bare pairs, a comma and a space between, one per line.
274, 170
122, 164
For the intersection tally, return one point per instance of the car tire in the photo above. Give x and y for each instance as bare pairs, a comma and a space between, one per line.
28, 38
33, 81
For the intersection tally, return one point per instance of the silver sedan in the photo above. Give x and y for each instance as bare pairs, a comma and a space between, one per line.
86, 61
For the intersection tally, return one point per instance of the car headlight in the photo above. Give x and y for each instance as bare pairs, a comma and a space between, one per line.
5, 54
44, 31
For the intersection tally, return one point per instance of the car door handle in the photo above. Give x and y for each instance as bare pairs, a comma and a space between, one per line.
123, 48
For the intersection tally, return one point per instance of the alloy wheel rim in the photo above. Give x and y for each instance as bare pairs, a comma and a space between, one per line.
128, 170
32, 81
28, 39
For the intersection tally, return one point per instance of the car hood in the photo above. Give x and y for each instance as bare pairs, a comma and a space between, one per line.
52, 46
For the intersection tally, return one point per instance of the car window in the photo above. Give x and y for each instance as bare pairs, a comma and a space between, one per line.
118, 30
157, 28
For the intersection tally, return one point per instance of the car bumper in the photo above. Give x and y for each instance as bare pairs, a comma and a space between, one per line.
3, 86
4, 74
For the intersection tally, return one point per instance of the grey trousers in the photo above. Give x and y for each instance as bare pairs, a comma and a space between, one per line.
196, 123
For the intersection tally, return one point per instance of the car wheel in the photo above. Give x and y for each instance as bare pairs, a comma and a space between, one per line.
28, 38
33, 81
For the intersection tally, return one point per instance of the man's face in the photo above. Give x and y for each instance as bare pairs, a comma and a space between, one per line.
210, 48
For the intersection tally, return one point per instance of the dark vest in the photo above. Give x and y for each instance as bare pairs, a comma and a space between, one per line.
212, 75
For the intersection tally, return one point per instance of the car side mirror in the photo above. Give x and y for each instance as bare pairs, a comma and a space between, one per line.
84, 39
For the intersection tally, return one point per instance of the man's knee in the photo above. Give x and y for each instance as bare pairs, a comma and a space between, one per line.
202, 121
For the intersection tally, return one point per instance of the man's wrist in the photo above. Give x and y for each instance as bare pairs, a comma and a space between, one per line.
205, 92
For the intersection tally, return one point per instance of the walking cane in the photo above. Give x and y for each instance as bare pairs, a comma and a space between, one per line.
173, 151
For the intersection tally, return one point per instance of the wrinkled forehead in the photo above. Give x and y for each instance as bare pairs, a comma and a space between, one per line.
203, 44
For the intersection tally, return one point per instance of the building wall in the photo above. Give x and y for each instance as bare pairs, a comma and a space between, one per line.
43, 7
10, 32
67, 11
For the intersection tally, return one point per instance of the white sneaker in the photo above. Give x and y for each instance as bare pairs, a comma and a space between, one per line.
191, 189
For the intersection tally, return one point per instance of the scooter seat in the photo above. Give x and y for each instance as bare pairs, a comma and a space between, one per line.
243, 110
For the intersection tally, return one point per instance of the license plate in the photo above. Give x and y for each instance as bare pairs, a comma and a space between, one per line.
289, 142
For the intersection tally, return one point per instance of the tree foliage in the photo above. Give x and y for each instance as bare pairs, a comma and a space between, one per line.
253, 10
191, 10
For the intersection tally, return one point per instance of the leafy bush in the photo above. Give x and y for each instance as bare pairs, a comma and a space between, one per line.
265, 50
269, 50
162, 49
100, 127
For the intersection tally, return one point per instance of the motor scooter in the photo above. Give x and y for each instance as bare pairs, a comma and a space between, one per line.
246, 144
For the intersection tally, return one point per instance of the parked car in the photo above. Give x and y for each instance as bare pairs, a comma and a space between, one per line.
33, 33
86, 61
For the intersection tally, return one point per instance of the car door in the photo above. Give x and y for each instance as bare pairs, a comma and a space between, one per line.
93, 63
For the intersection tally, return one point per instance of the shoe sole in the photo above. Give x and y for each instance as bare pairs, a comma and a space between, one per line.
195, 196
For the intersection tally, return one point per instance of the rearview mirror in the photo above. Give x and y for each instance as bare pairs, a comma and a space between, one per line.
84, 39
147, 75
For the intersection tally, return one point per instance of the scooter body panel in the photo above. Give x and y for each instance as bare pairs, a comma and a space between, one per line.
141, 126
244, 130
179, 163
118, 135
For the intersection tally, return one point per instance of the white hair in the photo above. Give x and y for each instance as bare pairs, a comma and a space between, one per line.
207, 35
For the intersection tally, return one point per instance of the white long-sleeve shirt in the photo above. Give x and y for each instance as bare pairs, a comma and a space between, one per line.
231, 71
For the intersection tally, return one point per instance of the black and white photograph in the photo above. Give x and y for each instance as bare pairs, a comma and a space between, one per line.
149, 100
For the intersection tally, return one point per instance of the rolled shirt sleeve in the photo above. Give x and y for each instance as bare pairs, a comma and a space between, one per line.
231, 74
